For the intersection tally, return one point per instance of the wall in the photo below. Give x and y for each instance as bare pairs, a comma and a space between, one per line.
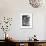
13, 8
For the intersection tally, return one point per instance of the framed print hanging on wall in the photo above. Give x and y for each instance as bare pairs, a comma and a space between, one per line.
26, 20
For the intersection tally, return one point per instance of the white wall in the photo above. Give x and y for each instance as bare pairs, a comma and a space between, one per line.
13, 8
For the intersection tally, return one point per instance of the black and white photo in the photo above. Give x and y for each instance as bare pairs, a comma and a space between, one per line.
26, 20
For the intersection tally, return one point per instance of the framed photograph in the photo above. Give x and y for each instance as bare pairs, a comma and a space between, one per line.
26, 20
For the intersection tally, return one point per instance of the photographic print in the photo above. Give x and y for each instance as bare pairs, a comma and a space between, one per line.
26, 20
